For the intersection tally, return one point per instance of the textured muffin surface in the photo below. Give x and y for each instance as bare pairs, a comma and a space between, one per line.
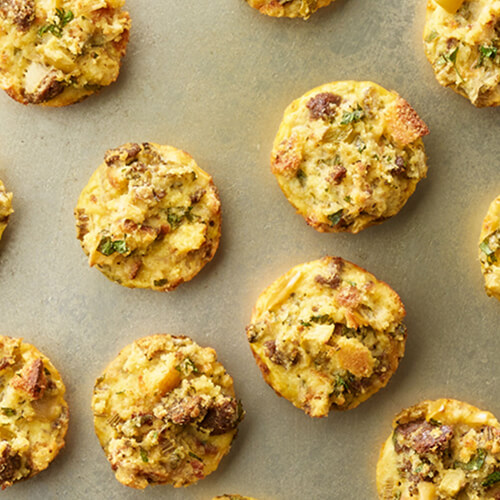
349, 155
33, 412
58, 53
288, 8
327, 335
462, 43
5, 207
443, 449
149, 217
165, 412
489, 246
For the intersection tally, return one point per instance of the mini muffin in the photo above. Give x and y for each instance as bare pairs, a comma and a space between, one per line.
149, 217
33, 412
327, 335
58, 53
288, 8
5, 207
349, 155
489, 246
165, 412
441, 449
462, 43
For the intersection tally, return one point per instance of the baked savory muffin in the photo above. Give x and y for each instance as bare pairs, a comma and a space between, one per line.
5, 207
33, 412
489, 246
440, 450
58, 53
288, 8
327, 334
165, 412
149, 217
349, 155
233, 497
462, 42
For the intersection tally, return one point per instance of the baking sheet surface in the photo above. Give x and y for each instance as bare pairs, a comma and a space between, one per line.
213, 78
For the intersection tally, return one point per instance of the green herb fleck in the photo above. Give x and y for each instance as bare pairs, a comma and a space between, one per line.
121, 392
348, 199
493, 478
490, 254
351, 283
452, 58
144, 455
108, 247
191, 454
435, 422
8, 412
336, 217
161, 282
475, 463
63, 18
353, 116
304, 323
431, 36
175, 215
340, 381
301, 176
323, 319
185, 365
486, 53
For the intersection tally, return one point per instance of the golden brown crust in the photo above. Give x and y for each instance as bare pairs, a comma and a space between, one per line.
165, 412
58, 56
327, 335
348, 155
33, 412
441, 449
149, 217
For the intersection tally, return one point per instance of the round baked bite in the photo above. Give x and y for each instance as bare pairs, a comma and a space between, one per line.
327, 335
165, 412
5, 207
462, 43
489, 246
33, 412
149, 217
441, 449
349, 155
58, 53
288, 8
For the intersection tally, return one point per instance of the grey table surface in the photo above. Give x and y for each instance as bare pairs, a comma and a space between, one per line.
213, 78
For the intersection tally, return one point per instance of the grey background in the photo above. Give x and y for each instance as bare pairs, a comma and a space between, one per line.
213, 78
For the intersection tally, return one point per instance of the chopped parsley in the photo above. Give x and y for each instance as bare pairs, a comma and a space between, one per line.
161, 282
353, 116
431, 36
490, 254
435, 422
186, 364
108, 247
351, 283
301, 176
8, 412
322, 319
493, 478
304, 323
144, 455
486, 53
336, 217
452, 58
475, 463
175, 215
348, 199
340, 381
191, 454
63, 18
